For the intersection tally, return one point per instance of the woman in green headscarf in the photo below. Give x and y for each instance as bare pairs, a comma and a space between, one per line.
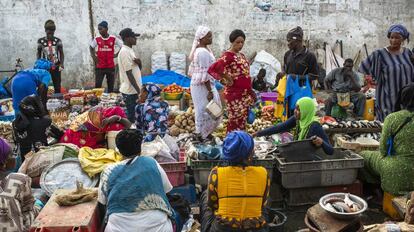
305, 124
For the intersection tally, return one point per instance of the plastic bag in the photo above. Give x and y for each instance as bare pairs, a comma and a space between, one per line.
94, 161
157, 149
269, 63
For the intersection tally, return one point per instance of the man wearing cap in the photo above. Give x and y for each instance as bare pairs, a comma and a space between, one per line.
51, 48
299, 60
102, 50
129, 72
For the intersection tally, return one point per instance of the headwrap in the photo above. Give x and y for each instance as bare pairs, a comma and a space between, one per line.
400, 29
201, 32
31, 106
405, 98
307, 116
295, 33
50, 25
237, 146
103, 24
4, 150
153, 90
43, 64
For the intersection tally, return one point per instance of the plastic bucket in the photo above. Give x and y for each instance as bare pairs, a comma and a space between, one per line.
269, 96
275, 220
110, 136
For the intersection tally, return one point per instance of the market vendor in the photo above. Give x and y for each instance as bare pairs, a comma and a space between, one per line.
259, 84
31, 81
237, 193
15, 195
151, 113
89, 128
134, 190
392, 166
345, 81
306, 126
31, 125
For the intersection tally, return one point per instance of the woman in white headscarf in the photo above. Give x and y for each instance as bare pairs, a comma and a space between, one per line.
203, 89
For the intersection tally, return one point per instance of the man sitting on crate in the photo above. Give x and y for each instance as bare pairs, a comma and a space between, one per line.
345, 89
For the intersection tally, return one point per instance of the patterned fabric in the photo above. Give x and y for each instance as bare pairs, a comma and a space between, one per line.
17, 208
49, 49
391, 72
205, 124
134, 187
228, 185
394, 173
152, 116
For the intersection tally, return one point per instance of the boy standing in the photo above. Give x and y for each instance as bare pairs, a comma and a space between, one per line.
104, 56
129, 72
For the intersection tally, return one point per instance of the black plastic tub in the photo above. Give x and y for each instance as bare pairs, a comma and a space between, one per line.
297, 151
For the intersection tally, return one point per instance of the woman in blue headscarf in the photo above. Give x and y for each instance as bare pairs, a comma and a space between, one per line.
31, 81
237, 192
391, 68
152, 113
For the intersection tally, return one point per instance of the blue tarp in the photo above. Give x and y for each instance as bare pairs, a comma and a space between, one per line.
166, 77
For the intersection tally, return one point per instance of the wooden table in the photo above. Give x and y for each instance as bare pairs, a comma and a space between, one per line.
332, 131
324, 222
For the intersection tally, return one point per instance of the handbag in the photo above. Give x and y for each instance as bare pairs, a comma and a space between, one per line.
294, 91
390, 139
214, 110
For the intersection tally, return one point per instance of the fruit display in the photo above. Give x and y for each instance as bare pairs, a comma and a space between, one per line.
184, 123
6, 131
268, 114
174, 88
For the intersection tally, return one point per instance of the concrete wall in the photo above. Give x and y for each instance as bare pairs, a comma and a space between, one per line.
169, 25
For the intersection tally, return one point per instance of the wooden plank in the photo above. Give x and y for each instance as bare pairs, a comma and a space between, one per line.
326, 223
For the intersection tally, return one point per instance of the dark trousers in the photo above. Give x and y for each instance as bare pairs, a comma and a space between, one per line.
109, 73
130, 101
56, 78
358, 99
209, 222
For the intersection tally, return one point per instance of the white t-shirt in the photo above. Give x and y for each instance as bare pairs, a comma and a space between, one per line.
148, 220
126, 63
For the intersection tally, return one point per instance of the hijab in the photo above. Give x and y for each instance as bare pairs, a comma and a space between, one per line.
307, 116
201, 32
400, 29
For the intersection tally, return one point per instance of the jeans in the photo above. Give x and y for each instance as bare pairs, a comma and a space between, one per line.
358, 99
130, 101
110, 79
56, 78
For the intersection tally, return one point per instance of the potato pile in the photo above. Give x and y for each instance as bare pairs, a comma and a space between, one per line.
221, 130
258, 125
6, 131
184, 123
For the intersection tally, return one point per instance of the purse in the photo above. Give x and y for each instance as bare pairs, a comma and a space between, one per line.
214, 110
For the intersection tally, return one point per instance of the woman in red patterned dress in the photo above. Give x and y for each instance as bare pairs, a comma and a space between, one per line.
233, 69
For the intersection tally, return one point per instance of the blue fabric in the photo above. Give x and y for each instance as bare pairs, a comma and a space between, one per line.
43, 64
25, 83
400, 29
237, 146
136, 187
251, 117
314, 130
294, 91
166, 77
152, 116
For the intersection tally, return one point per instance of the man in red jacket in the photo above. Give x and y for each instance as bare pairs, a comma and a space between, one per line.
103, 53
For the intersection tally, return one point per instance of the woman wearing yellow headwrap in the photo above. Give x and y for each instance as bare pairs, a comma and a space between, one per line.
306, 123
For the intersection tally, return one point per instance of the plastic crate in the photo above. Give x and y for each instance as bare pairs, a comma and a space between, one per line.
7, 118
202, 168
338, 169
175, 172
310, 196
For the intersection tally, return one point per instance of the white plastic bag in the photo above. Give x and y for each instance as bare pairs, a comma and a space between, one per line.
269, 63
159, 61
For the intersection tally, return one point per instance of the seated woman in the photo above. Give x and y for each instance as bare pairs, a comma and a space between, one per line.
392, 166
17, 206
134, 190
91, 126
236, 193
152, 113
31, 125
306, 123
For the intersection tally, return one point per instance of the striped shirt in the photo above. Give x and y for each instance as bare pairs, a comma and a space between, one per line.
391, 72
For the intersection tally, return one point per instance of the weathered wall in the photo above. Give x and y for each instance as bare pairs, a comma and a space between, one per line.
169, 25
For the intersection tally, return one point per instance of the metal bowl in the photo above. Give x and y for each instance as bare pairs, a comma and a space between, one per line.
346, 216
